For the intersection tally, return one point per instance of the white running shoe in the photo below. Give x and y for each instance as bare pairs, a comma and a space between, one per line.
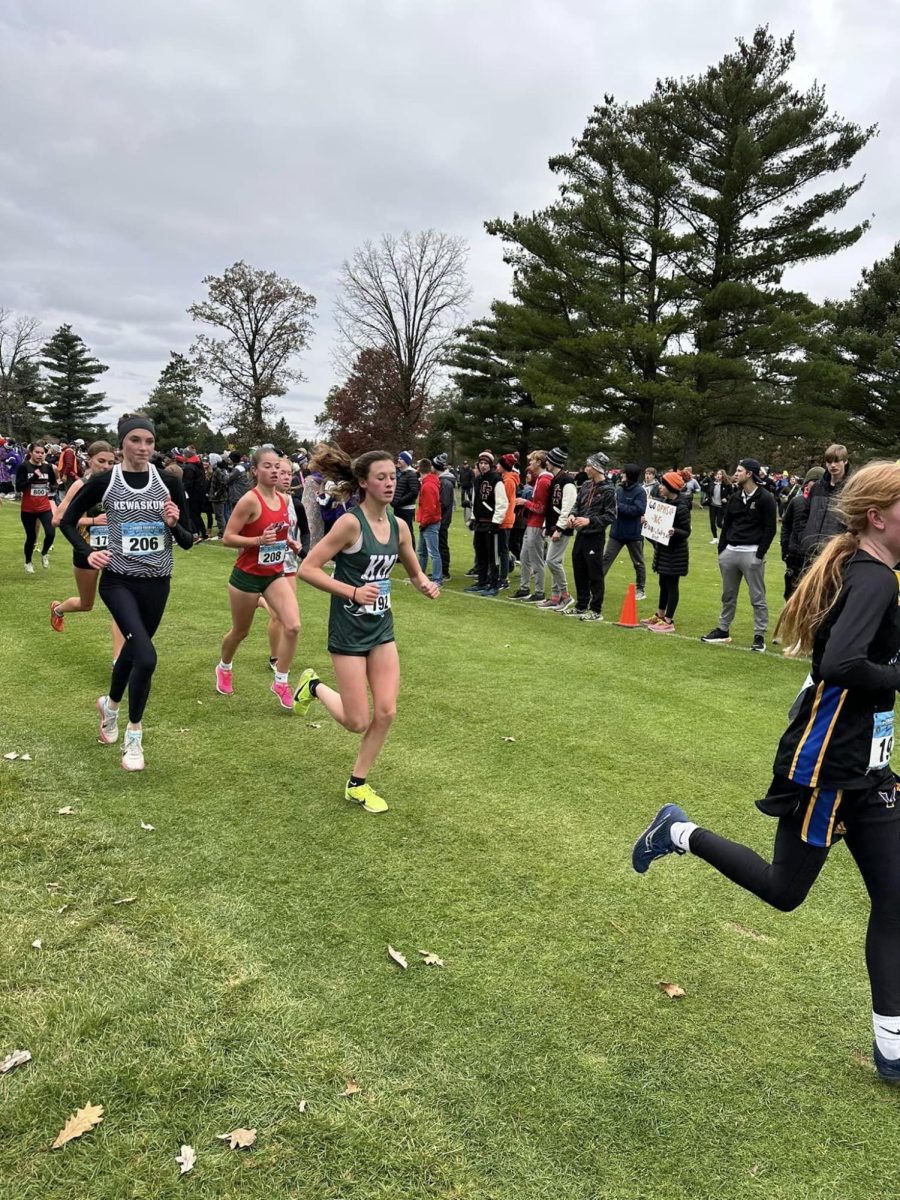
133, 751
109, 722
45, 561
29, 568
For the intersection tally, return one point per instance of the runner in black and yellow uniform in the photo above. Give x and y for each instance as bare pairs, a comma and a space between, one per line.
833, 778
365, 544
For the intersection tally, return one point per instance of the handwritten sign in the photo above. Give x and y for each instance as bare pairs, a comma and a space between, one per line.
660, 519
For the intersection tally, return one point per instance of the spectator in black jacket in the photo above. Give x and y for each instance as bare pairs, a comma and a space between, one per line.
466, 484
670, 562
406, 493
747, 533
719, 490
593, 511
823, 519
793, 524
447, 481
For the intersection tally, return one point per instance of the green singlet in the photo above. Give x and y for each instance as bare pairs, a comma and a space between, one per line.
353, 628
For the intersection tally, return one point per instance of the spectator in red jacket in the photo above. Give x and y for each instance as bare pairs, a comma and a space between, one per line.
428, 515
534, 547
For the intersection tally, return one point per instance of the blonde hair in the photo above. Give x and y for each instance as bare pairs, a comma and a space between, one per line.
874, 486
99, 448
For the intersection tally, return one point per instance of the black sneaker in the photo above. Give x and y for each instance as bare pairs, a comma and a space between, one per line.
502, 587
759, 643
520, 594
472, 573
718, 635
535, 597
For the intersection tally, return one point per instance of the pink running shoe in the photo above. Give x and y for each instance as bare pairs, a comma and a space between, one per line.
109, 722
284, 694
224, 686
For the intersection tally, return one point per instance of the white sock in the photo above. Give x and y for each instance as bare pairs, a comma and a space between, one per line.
680, 833
887, 1035
226, 666
110, 705
281, 678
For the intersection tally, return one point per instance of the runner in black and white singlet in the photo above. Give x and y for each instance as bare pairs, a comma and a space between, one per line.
145, 512
365, 544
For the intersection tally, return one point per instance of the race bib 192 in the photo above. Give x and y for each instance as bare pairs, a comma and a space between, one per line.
382, 602
882, 740
143, 537
99, 537
272, 555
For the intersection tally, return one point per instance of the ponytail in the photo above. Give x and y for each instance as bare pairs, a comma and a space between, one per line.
816, 595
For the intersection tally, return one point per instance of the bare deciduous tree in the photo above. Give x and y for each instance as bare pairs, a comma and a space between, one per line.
405, 295
267, 322
20, 339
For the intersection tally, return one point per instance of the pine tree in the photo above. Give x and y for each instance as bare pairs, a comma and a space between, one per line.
71, 407
284, 438
175, 405
24, 400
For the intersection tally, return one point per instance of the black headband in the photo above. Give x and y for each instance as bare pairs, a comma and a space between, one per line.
131, 423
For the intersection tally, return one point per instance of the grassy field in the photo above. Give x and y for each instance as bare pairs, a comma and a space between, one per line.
250, 972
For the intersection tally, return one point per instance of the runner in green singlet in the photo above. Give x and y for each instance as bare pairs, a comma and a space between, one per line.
365, 544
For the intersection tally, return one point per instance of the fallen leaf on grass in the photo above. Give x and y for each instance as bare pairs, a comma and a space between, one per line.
24, 758
11, 756
618, 927
184, 731
351, 1089
62, 908
313, 724
52, 887
149, 828
672, 990
397, 957
238, 1139
68, 811
302, 1106
431, 960
126, 900
508, 739
37, 944
186, 1158
80, 1122
737, 927
753, 1172
18, 1058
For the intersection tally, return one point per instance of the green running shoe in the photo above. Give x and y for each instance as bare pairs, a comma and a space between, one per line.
303, 697
364, 795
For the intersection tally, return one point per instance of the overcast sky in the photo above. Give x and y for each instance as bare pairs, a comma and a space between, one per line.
145, 146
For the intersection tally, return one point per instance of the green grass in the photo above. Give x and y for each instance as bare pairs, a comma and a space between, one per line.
251, 972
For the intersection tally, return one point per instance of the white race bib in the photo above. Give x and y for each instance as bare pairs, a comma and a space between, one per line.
382, 602
143, 537
99, 537
40, 490
882, 740
272, 555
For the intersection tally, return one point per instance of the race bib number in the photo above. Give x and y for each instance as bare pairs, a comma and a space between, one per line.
99, 537
40, 490
382, 602
882, 740
272, 555
143, 537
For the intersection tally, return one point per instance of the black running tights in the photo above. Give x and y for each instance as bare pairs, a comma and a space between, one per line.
137, 606
30, 521
786, 881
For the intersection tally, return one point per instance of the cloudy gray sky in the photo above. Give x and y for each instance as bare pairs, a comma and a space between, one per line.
145, 146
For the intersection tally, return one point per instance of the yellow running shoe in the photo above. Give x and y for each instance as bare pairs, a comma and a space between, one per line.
303, 697
364, 795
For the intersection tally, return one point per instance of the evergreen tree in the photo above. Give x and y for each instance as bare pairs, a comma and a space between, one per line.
284, 438
175, 406
72, 409
24, 400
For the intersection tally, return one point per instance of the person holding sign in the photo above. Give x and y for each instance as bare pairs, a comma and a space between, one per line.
94, 533
669, 532
832, 775
145, 513
365, 544
36, 483
259, 526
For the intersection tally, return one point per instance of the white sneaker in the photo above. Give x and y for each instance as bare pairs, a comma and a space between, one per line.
714, 541
132, 750
29, 568
45, 561
640, 595
109, 722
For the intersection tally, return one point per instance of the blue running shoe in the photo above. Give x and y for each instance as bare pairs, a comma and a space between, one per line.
490, 591
656, 841
887, 1068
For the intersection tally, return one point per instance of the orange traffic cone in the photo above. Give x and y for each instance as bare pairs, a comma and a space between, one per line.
628, 618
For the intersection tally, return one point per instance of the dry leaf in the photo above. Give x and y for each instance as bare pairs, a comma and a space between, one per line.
351, 1089
18, 1058
68, 811
617, 927
508, 739
25, 758
126, 900
313, 724
672, 990
37, 944
62, 908
431, 960
753, 1172
737, 927
238, 1139
149, 828
302, 1106
82, 1121
52, 887
397, 957
184, 731
186, 1158
12, 755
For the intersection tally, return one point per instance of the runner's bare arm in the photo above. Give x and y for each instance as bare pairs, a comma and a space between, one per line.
417, 576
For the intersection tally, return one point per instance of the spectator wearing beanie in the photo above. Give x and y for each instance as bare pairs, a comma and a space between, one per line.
631, 504
560, 501
671, 562
534, 546
793, 524
428, 515
593, 511
488, 510
407, 490
747, 532
510, 479
447, 482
